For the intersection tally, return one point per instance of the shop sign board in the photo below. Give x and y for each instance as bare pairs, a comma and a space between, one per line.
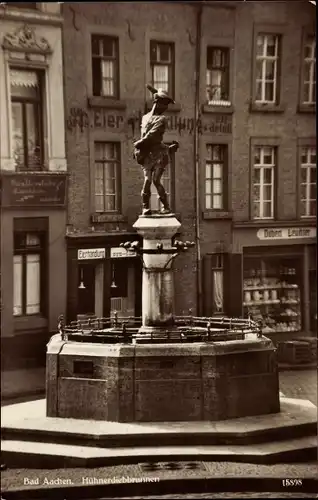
286, 233
91, 254
119, 253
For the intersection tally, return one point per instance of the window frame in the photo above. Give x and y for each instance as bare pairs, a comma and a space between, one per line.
115, 39
225, 184
171, 65
217, 265
264, 58
24, 251
118, 162
39, 103
227, 52
304, 106
308, 167
266, 144
280, 31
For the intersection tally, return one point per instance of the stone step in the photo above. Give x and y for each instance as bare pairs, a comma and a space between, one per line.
19, 454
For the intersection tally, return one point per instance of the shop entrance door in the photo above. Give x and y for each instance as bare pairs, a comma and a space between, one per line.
86, 290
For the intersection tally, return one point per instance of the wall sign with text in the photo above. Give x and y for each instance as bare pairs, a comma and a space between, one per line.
33, 190
286, 233
104, 119
91, 254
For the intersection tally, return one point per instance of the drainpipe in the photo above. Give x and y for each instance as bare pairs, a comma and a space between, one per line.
197, 158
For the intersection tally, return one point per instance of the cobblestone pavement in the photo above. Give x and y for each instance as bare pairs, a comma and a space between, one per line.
300, 384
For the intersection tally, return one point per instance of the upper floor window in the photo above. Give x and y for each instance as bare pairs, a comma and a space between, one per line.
267, 71
218, 76
162, 66
105, 66
28, 274
215, 177
166, 181
309, 88
107, 177
263, 182
27, 119
308, 176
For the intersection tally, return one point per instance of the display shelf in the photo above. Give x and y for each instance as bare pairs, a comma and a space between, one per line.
291, 302
261, 287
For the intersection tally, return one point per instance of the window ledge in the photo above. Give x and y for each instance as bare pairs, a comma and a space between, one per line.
306, 108
173, 108
106, 102
27, 323
100, 217
213, 215
213, 108
267, 108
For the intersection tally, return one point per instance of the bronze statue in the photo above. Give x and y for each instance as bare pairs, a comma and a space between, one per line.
150, 151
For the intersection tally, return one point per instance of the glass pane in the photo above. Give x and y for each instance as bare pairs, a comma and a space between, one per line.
257, 156
216, 84
99, 203
95, 45
268, 175
270, 70
313, 205
257, 175
208, 187
217, 171
307, 72
267, 209
18, 134
304, 155
108, 69
258, 95
268, 156
303, 175
259, 69
260, 45
33, 284
306, 92
267, 193
208, 171
217, 186
34, 153
208, 202
303, 191
17, 285
217, 153
313, 175
109, 45
271, 44
217, 201
256, 209
108, 88
110, 203
269, 91
165, 52
256, 193
313, 191
161, 77
303, 208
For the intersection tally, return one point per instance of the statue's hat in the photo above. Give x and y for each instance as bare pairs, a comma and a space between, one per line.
160, 94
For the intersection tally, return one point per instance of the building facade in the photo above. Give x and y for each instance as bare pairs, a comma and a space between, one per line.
33, 189
243, 182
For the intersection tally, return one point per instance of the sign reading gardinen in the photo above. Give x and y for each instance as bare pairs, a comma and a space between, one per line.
286, 233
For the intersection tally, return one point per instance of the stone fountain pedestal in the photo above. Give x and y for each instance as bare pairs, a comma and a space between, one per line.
157, 382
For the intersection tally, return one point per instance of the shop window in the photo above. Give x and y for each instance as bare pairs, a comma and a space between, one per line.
218, 76
308, 187
27, 120
216, 177
166, 181
263, 182
272, 292
105, 66
28, 274
267, 70
309, 71
107, 177
162, 66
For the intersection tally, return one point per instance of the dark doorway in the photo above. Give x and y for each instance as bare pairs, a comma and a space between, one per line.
86, 296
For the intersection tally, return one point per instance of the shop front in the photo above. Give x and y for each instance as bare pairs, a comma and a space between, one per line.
103, 278
277, 274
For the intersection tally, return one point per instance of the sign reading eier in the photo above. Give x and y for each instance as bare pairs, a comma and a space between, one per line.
286, 233
91, 254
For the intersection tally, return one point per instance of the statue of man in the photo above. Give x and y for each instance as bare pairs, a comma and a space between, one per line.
151, 152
